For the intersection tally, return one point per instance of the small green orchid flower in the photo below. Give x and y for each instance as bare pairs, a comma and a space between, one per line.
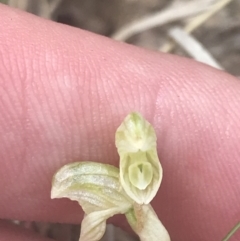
140, 169
103, 190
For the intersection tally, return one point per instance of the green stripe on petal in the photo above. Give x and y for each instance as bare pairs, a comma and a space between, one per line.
95, 186
79, 168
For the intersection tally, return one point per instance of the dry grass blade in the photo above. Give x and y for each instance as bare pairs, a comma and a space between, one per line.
193, 47
172, 13
198, 21
232, 232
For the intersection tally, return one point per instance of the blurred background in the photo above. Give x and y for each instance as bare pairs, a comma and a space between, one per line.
205, 30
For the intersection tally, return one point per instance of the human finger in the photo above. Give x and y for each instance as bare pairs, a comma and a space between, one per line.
63, 94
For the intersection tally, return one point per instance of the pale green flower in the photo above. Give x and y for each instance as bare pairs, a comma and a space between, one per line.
140, 169
103, 191
97, 189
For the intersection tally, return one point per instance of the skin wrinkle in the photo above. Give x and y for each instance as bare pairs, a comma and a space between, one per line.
181, 158
112, 79
75, 103
74, 119
103, 125
87, 100
10, 109
181, 202
39, 120
109, 87
61, 121
137, 90
25, 122
122, 89
95, 120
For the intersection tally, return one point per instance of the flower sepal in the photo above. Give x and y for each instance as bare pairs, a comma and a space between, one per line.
96, 187
145, 223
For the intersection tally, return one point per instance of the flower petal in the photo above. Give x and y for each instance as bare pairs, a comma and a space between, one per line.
146, 224
94, 224
140, 174
95, 186
140, 169
134, 134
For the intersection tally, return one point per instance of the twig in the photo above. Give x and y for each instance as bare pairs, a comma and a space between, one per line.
160, 18
197, 21
193, 47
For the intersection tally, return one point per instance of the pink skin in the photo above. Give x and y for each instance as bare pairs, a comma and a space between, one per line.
63, 93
